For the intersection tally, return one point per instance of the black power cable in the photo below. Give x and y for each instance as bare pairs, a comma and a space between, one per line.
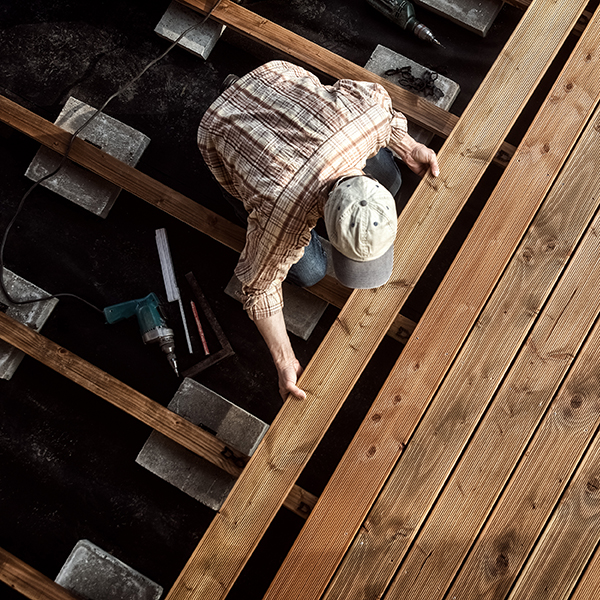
64, 161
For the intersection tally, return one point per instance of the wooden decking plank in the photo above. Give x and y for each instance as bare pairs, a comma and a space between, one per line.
534, 490
394, 521
573, 532
28, 581
372, 454
502, 436
256, 497
136, 404
159, 195
588, 586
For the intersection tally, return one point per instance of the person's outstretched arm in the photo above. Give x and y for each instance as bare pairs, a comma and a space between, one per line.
288, 368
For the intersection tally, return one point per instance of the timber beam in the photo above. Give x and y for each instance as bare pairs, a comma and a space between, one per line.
137, 405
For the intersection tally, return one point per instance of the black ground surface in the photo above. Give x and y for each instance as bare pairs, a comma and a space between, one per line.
67, 458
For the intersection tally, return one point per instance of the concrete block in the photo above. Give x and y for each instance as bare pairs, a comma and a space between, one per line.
187, 471
475, 15
384, 59
32, 315
302, 310
200, 40
93, 574
75, 183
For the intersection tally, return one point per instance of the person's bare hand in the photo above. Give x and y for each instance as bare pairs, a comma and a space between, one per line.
421, 159
288, 376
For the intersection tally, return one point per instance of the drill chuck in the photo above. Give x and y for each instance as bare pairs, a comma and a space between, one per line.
402, 13
151, 323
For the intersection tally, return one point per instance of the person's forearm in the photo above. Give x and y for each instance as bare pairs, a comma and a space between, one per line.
288, 368
404, 146
275, 335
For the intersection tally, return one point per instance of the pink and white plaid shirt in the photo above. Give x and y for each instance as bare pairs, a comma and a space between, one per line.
278, 139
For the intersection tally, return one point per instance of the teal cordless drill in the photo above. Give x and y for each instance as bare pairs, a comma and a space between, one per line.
152, 325
402, 13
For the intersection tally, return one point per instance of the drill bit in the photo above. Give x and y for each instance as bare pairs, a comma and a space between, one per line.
402, 13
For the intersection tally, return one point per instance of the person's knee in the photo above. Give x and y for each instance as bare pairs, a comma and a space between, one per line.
315, 275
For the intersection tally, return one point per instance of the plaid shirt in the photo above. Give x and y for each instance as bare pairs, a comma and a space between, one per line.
278, 139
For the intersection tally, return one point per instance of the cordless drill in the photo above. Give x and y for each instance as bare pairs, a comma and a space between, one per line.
152, 325
402, 13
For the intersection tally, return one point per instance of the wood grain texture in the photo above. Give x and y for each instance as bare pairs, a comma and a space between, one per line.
29, 582
393, 524
162, 197
588, 587
256, 496
137, 405
536, 486
502, 436
425, 359
573, 532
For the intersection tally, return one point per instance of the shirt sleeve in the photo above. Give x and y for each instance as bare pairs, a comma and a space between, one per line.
266, 260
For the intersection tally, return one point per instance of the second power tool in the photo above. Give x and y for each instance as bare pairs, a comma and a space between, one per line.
402, 13
153, 326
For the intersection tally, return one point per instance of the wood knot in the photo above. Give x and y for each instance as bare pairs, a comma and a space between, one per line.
397, 399
502, 563
371, 451
593, 485
569, 87
546, 148
527, 255
376, 418
576, 401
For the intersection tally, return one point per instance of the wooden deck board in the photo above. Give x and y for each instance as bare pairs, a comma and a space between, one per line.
255, 499
432, 452
534, 490
422, 365
502, 436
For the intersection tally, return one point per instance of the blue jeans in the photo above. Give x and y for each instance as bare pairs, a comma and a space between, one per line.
312, 267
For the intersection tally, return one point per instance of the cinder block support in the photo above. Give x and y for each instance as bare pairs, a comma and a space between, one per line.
32, 315
474, 15
75, 183
384, 59
185, 470
92, 573
302, 310
200, 40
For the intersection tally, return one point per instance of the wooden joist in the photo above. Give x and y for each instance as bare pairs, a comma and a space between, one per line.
256, 497
417, 109
166, 199
378, 547
28, 581
136, 404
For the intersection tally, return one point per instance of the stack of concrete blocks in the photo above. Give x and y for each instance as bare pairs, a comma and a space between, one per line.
384, 59
76, 183
200, 40
33, 315
475, 15
91, 573
301, 310
187, 471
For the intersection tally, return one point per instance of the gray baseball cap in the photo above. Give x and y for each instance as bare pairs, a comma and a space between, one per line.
360, 216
